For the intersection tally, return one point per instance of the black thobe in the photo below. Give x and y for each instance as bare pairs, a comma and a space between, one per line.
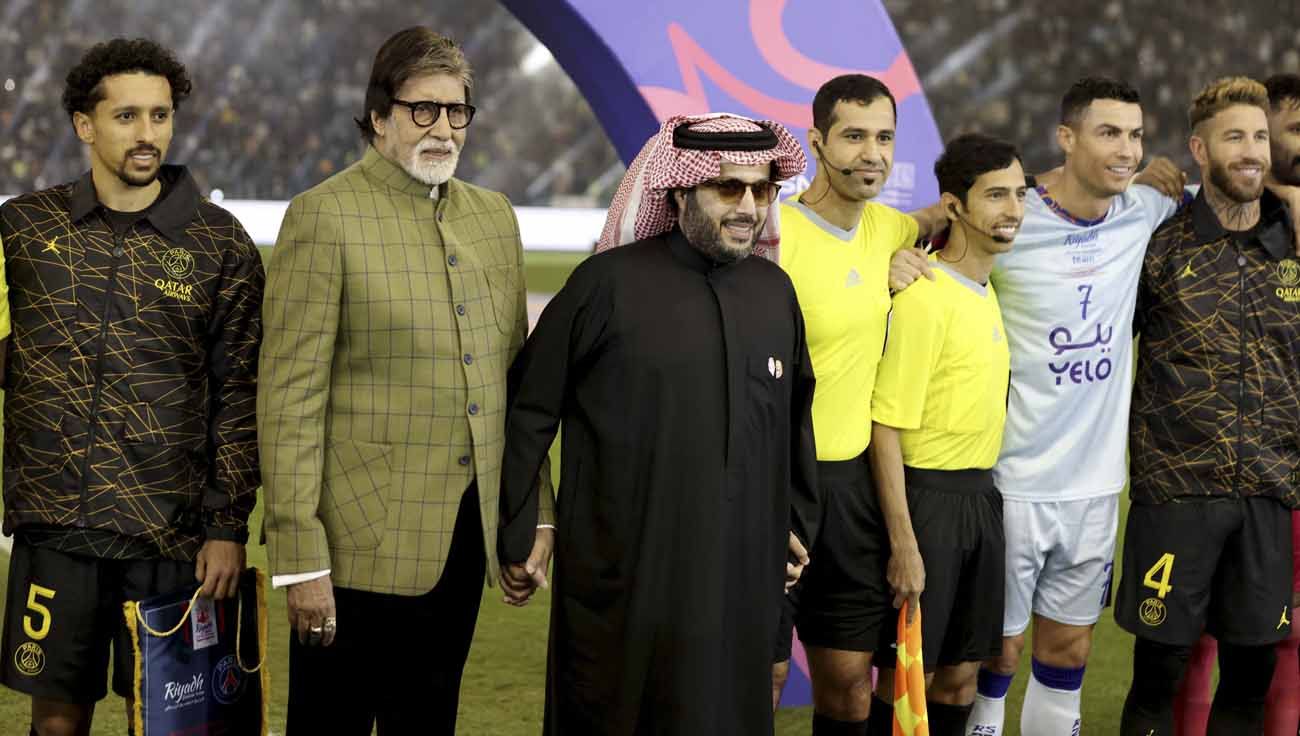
685, 391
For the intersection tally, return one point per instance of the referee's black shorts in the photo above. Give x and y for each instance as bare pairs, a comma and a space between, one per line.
843, 600
1222, 564
957, 518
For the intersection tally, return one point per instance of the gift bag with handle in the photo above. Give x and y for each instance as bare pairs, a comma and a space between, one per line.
198, 662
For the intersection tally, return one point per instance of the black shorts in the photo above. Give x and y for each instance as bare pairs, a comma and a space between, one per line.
1218, 564
61, 613
957, 519
842, 599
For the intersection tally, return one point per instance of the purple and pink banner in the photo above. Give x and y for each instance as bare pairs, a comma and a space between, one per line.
640, 63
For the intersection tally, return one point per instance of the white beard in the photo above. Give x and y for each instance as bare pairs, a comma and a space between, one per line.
433, 174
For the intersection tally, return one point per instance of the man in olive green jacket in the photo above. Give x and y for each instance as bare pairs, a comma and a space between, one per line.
395, 305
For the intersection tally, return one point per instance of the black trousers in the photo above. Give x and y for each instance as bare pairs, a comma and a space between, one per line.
397, 660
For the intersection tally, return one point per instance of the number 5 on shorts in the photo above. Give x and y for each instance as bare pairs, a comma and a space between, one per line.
1164, 567
33, 604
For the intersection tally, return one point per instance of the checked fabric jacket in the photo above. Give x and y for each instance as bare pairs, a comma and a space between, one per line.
1216, 402
392, 316
131, 373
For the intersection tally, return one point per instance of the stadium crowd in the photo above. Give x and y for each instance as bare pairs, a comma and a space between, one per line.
265, 123
1003, 79
267, 126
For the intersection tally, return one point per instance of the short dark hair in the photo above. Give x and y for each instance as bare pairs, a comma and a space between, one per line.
1283, 90
1082, 93
967, 158
847, 88
84, 88
410, 53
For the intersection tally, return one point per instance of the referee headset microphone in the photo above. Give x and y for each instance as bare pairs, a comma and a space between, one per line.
965, 223
844, 170
841, 170
961, 220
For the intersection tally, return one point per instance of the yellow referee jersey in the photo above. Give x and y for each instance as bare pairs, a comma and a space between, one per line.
842, 280
943, 378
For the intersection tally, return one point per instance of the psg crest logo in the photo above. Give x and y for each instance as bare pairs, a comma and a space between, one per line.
1288, 272
29, 659
227, 680
178, 263
1152, 612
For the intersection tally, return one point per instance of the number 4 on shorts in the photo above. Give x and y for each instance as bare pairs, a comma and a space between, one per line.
1163, 568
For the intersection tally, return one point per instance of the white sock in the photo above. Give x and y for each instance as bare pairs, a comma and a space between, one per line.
987, 716
990, 705
1048, 710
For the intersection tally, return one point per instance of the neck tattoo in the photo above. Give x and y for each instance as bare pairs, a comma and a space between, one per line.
1232, 214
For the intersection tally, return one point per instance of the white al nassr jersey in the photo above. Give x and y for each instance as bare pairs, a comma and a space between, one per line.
1068, 290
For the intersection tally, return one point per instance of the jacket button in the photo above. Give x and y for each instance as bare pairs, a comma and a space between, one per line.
118, 252
451, 260
469, 359
1241, 260
460, 309
473, 409
463, 460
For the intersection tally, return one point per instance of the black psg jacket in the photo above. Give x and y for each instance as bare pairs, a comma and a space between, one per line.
131, 373
1216, 402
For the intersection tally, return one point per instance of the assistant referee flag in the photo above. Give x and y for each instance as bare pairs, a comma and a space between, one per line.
910, 718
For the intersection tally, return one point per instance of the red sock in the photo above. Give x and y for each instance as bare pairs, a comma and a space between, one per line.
1282, 712
1192, 707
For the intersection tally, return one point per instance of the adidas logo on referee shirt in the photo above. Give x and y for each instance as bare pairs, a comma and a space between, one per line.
853, 280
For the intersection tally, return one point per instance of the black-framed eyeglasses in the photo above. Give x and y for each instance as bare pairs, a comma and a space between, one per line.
731, 191
426, 112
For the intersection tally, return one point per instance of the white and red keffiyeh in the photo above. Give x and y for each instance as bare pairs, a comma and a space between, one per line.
640, 208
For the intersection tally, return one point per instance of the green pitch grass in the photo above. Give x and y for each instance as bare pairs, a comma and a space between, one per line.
503, 687
502, 691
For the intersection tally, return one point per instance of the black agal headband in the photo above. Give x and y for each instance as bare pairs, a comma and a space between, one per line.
696, 140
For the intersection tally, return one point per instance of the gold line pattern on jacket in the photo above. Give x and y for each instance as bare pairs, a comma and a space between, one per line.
132, 373
1216, 404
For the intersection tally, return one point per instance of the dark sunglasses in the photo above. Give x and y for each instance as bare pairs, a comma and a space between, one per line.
426, 112
731, 191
